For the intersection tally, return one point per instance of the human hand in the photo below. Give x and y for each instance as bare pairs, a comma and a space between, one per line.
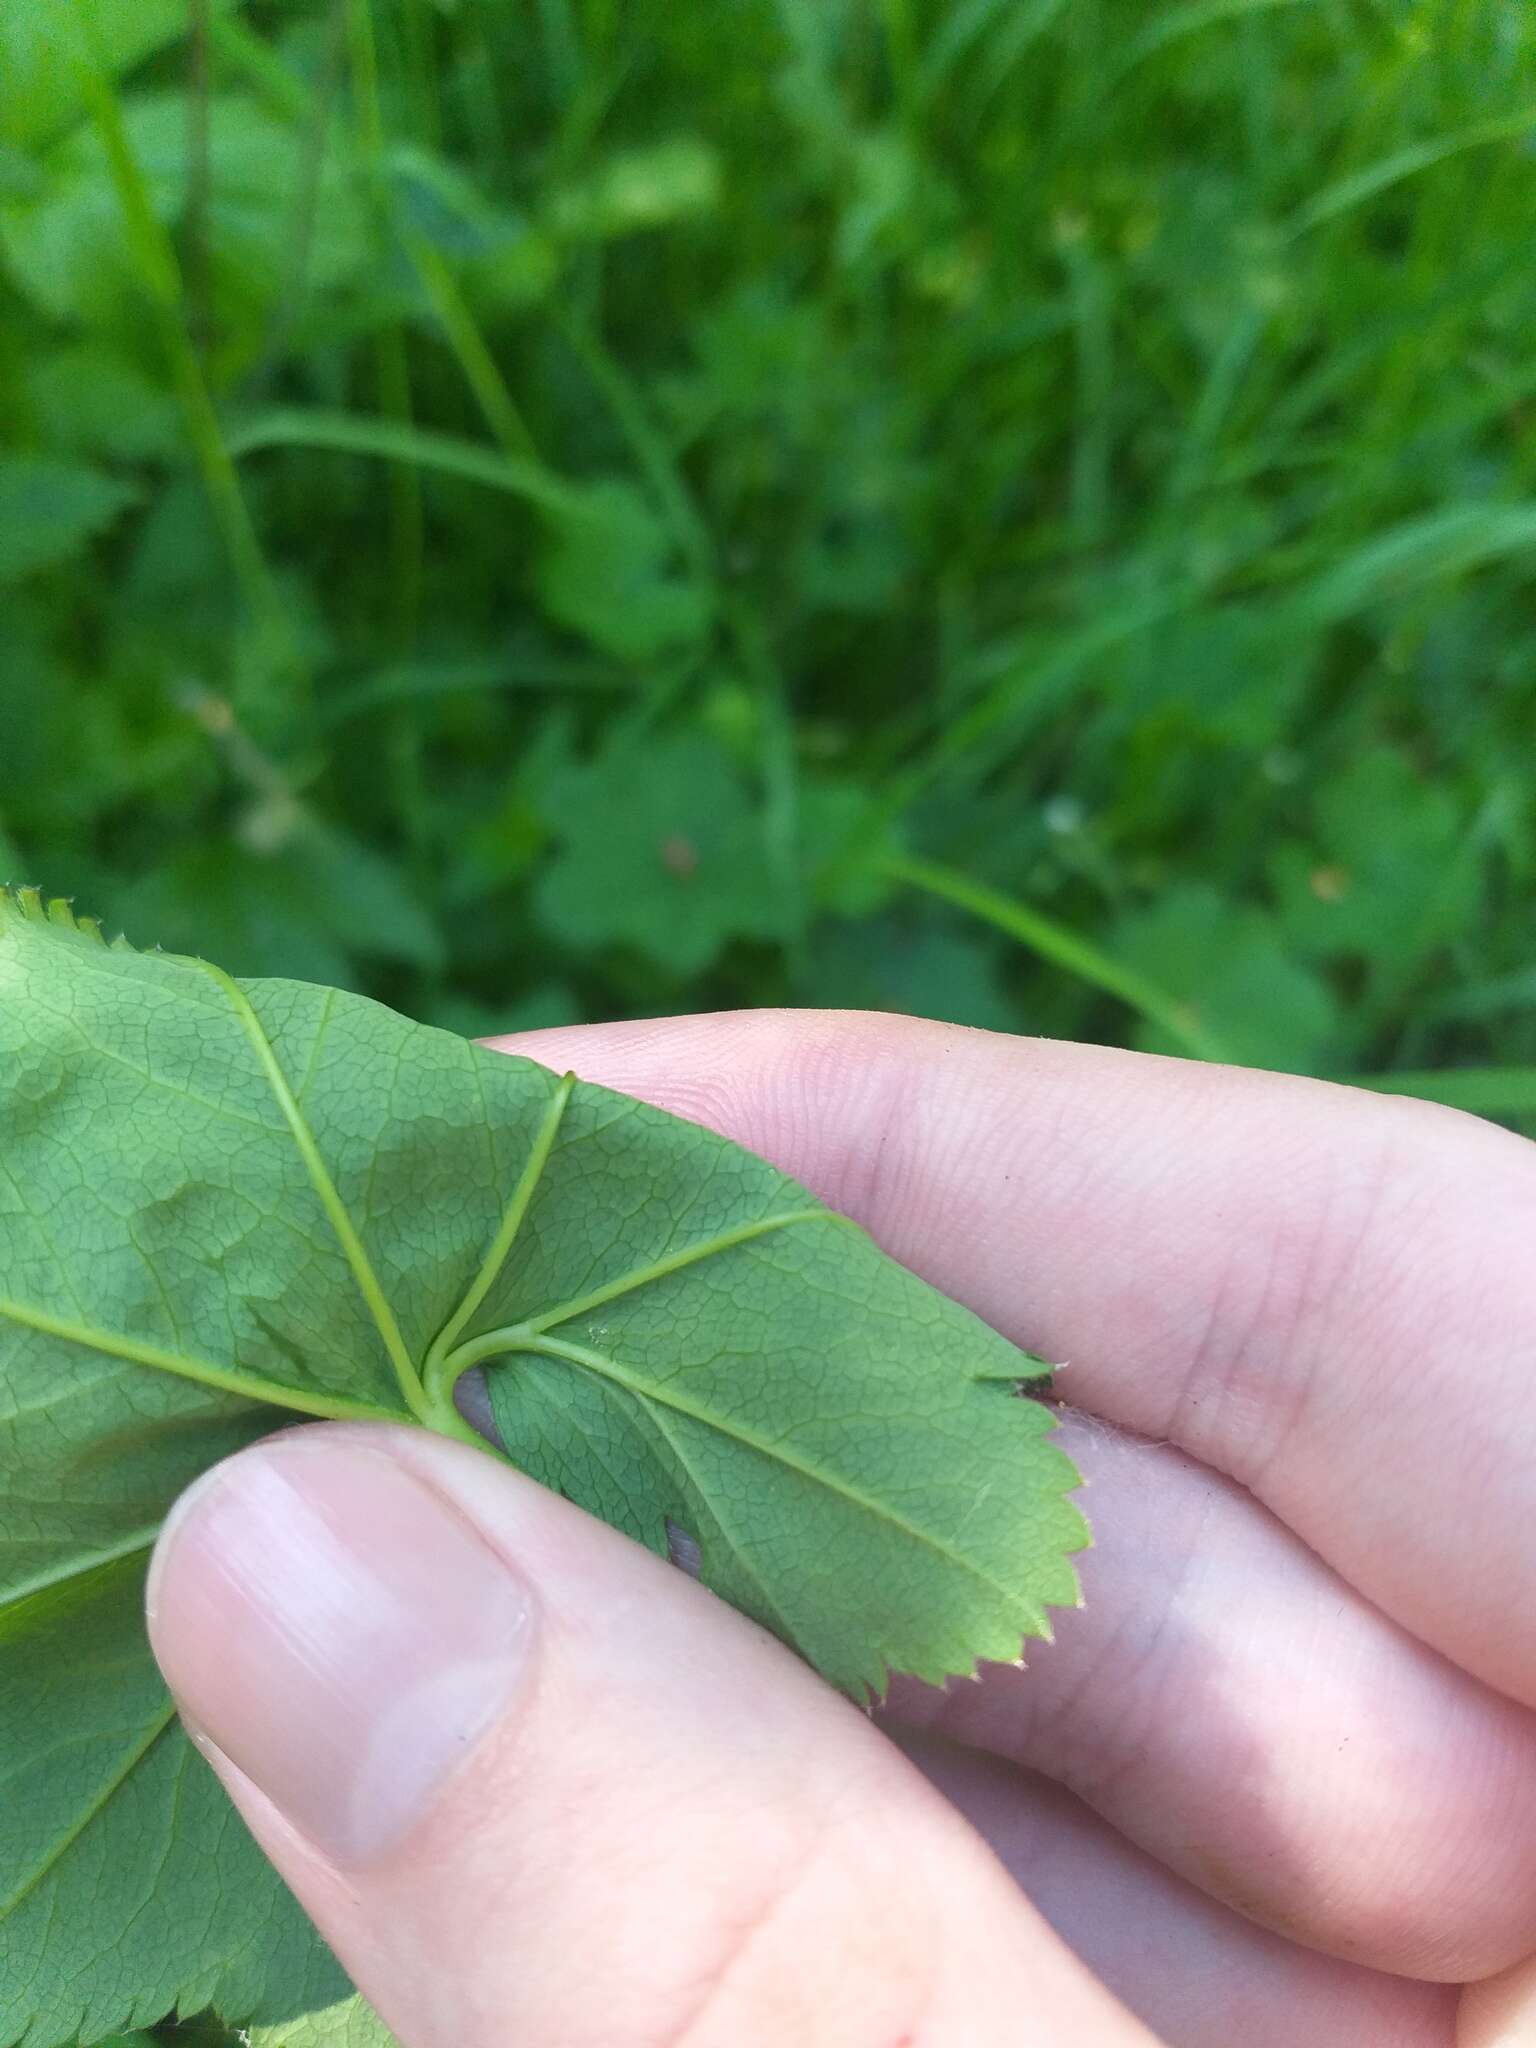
1276, 1783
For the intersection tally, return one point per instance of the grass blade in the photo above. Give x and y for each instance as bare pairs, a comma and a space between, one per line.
344, 433
154, 259
1486, 1091
1062, 947
426, 681
1404, 163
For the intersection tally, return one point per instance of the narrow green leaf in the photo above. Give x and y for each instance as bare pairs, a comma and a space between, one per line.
418, 681
394, 441
1175, 22
1486, 1091
1390, 170
1063, 948
42, 92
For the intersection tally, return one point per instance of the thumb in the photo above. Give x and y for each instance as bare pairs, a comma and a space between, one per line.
536, 1786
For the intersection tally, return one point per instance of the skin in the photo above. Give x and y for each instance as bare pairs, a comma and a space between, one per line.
1276, 1782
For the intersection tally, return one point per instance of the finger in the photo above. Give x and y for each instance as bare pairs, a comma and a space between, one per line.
1194, 1971
1500, 2013
534, 1786
1226, 1701
1328, 1294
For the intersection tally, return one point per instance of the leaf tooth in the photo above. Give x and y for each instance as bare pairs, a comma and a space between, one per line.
948, 1665
27, 900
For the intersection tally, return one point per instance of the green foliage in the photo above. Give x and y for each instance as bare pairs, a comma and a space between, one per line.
350, 2024
606, 577
1262, 1003
50, 510
658, 846
1085, 454
1022, 513
224, 1203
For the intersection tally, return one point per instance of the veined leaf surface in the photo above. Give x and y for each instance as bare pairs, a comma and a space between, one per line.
225, 1204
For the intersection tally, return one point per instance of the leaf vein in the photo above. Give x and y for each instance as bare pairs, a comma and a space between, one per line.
439, 1374
640, 1276
44, 1582
247, 1386
712, 1509
780, 1453
345, 1230
59, 1849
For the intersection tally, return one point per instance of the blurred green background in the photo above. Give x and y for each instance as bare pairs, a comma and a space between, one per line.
1017, 510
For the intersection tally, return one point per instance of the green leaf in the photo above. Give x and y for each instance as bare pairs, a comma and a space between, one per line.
608, 575
351, 2024
1438, 545
851, 1539
661, 849
1227, 963
52, 510
66, 247
223, 1204
641, 189
393, 441
88, 400
918, 967
1484, 1091
38, 47
312, 905
1392, 871
125, 1889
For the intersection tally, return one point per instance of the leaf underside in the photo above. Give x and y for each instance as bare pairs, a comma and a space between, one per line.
350, 2024
223, 1204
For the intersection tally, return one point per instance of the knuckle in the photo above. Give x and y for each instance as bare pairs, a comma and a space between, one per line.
1337, 1239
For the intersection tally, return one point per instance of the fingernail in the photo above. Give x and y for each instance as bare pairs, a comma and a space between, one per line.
340, 1631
